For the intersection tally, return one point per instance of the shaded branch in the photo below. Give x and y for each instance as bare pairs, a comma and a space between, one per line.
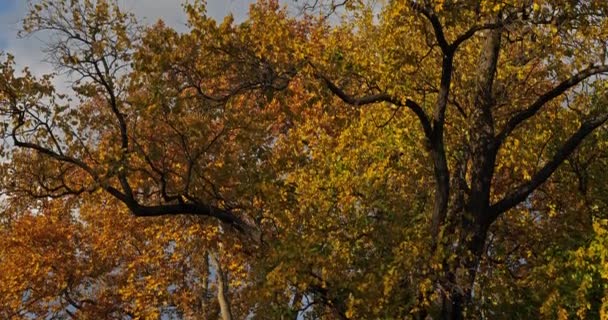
481, 27
435, 23
522, 192
473, 30
562, 87
381, 97
192, 208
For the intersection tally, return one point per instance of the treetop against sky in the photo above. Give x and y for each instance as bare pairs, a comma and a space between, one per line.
352, 160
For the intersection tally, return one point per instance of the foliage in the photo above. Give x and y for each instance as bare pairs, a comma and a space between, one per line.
354, 161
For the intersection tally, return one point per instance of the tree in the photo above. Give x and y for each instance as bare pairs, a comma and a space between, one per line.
396, 148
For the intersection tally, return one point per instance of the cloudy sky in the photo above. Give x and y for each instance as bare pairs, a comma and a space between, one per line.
28, 51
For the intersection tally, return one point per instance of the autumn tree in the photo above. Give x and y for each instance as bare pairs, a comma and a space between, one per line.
409, 159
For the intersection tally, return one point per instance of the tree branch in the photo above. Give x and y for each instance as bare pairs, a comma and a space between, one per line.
473, 30
481, 27
438, 154
381, 97
191, 208
562, 87
522, 192
435, 23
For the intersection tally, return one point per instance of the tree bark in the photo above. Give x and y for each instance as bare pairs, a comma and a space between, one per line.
222, 289
471, 221
205, 285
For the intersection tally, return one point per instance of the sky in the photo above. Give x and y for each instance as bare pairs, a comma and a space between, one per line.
28, 51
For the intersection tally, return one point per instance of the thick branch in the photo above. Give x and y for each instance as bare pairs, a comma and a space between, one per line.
485, 26
196, 209
440, 162
141, 210
381, 97
435, 23
483, 147
522, 192
223, 295
564, 86
473, 30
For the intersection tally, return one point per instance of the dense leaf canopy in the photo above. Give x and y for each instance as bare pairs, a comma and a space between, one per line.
327, 160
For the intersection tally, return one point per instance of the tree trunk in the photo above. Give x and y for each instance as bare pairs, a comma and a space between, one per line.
471, 220
457, 284
205, 284
222, 290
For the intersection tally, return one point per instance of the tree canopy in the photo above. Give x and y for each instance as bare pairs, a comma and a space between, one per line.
347, 159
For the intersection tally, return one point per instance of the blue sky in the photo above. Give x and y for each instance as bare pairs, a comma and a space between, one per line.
6, 5
28, 51
11, 11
